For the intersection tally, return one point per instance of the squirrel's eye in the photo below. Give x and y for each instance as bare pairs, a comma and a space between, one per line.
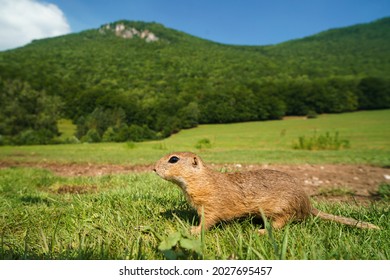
173, 159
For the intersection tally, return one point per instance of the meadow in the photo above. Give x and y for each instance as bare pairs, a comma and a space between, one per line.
250, 142
139, 216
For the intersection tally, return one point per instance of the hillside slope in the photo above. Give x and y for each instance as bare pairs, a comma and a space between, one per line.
137, 80
361, 49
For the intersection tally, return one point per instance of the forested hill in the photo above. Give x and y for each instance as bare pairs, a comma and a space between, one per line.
357, 50
134, 80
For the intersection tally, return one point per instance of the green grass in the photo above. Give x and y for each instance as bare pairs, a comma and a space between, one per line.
368, 133
140, 216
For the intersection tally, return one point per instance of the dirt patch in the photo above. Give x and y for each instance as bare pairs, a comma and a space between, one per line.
353, 183
79, 169
336, 182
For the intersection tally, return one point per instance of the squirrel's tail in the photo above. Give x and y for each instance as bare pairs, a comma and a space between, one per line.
342, 220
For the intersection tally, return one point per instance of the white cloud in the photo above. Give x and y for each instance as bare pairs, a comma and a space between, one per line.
22, 21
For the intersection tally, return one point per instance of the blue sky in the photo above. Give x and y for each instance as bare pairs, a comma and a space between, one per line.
242, 22
245, 22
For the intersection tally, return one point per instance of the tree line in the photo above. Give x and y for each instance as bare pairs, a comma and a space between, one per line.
30, 116
159, 118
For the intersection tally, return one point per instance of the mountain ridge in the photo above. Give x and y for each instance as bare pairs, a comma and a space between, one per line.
325, 34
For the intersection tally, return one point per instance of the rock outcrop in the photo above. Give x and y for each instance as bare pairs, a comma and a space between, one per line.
123, 31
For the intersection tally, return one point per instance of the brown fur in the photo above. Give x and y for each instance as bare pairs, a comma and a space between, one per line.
225, 196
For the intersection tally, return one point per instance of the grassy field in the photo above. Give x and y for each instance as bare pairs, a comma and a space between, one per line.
252, 142
140, 216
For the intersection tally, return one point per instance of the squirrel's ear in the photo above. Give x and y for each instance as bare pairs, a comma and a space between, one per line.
195, 162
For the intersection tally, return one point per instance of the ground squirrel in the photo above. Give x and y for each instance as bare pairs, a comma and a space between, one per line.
225, 196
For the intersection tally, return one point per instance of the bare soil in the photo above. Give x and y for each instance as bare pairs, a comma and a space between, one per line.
349, 183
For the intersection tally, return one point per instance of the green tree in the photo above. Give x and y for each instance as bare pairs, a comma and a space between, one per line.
27, 116
189, 115
374, 93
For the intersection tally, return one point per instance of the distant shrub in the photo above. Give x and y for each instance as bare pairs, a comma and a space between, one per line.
109, 135
92, 136
33, 137
312, 114
139, 133
204, 143
130, 145
321, 142
71, 140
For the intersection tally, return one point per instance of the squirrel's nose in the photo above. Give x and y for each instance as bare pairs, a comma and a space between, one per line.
154, 169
